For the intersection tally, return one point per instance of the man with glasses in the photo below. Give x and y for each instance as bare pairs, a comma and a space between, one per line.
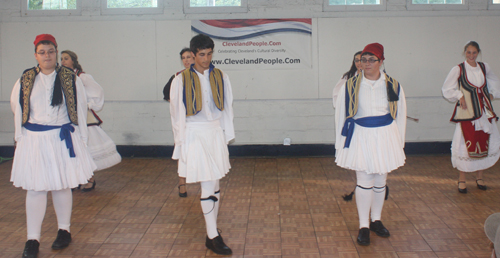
370, 123
50, 120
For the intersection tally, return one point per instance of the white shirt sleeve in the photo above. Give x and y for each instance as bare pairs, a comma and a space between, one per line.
16, 109
95, 93
450, 87
401, 116
227, 114
336, 90
81, 109
177, 115
340, 118
493, 82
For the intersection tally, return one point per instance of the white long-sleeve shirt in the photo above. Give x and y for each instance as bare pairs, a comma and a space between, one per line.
209, 111
41, 112
95, 93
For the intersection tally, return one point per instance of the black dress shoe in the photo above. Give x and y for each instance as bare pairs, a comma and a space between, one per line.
379, 229
461, 190
90, 188
364, 236
481, 187
31, 249
184, 194
217, 246
62, 240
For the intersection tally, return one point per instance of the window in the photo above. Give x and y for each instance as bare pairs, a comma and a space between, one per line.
437, 5
50, 7
131, 6
215, 6
354, 5
494, 4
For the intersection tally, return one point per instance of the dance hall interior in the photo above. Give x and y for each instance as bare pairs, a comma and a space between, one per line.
285, 192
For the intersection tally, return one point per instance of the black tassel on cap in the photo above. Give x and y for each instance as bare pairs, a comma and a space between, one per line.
391, 94
57, 96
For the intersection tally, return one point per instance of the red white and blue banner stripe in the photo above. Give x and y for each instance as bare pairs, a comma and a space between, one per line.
258, 43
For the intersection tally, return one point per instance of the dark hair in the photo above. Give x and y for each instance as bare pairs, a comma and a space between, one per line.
184, 50
44, 42
74, 58
200, 42
353, 69
474, 44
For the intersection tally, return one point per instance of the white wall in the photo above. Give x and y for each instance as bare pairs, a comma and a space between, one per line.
133, 56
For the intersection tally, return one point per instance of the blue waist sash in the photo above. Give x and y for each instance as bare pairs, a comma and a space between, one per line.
65, 134
370, 121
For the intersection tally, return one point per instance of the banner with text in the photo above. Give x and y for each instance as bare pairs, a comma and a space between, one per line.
259, 43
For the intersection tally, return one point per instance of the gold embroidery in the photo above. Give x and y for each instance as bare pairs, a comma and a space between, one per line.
192, 90
27, 81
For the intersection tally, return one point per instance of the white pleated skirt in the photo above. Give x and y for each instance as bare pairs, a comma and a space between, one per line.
42, 161
460, 156
376, 150
102, 148
204, 154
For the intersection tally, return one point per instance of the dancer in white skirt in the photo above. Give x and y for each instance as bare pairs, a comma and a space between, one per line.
201, 109
50, 119
101, 146
370, 123
476, 141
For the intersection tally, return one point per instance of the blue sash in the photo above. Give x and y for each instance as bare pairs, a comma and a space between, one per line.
65, 134
370, 121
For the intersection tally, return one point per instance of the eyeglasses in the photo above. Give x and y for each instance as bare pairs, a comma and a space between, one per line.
357, 60
50, 52
371, 61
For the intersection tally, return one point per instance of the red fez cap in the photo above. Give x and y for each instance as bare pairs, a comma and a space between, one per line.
45, 37
376, 49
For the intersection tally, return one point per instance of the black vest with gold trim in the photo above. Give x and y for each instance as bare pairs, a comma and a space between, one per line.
474, 108
67, 78
352, 93
192, 89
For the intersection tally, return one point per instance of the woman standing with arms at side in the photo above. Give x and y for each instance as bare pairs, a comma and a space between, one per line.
101, 147
50, 118
355, 70
476, 142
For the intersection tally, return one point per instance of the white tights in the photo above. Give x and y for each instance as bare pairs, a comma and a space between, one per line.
370, 196
210, 206
36, 205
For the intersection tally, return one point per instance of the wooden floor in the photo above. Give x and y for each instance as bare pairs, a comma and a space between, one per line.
270, 207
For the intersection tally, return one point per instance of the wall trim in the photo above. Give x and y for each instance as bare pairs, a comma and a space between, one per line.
294, 150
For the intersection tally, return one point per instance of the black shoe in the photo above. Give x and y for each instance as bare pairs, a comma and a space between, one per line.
62, 240
461, 190
482, 187
184, 194
379, 229
217, 246
31, 249
364, 236
90, 188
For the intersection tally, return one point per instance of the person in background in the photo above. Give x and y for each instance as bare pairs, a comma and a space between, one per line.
187, 60
492, 230
370, 123
476, 141
101, 147
201, 109
355, 70
50, 118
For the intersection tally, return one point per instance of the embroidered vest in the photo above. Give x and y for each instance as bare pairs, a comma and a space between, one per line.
192, 89
352, 93
68, 86
472, 97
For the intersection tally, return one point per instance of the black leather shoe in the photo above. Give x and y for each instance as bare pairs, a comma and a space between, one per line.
31, 249
462, 190
184, 194
217, 246
90, 188
364, 236
481, 187
62, 240
379, 229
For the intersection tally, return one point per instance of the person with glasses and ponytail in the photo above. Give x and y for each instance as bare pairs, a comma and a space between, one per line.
370, 123
476, 141
50, 118
101, 146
